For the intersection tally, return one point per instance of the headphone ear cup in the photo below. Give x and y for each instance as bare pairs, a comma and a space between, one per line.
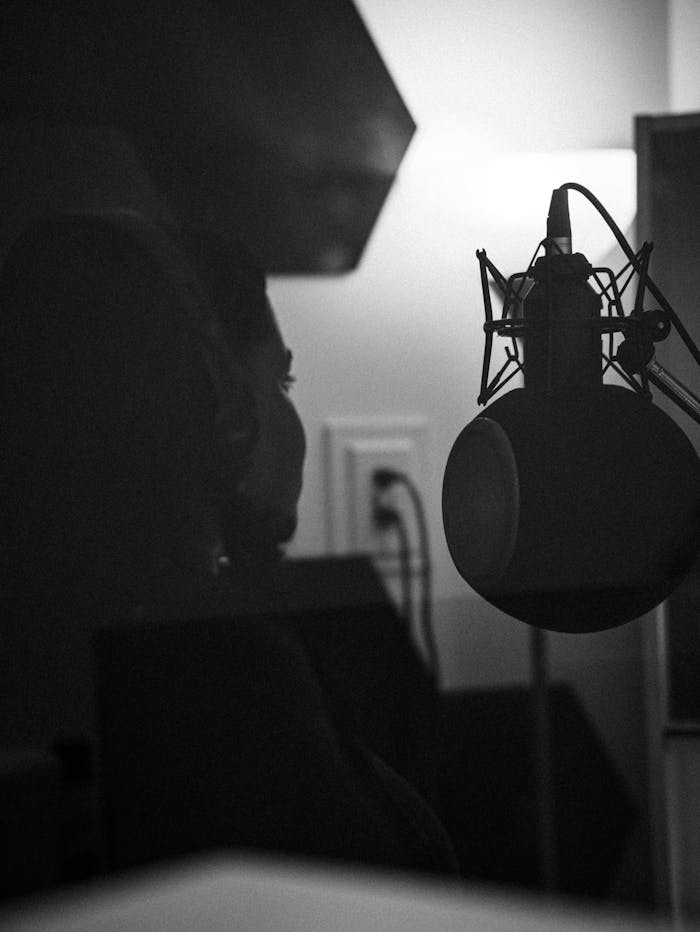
237, 429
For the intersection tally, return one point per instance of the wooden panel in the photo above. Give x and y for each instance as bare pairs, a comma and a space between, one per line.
668, 176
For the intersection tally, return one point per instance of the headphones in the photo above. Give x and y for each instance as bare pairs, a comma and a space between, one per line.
236, 424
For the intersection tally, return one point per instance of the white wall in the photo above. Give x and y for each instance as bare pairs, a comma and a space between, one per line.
684, 61
547, 74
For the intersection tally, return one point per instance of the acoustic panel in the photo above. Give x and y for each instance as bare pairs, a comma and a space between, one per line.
277, 124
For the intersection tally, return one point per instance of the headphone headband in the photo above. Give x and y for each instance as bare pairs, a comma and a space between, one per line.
235, 418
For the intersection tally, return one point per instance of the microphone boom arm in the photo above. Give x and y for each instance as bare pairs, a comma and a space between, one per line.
673, 389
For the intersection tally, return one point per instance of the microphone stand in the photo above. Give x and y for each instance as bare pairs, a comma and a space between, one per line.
543, 764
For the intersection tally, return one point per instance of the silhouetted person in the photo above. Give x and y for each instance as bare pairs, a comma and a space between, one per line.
154, 462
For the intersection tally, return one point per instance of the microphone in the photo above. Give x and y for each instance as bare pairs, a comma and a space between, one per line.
570, 504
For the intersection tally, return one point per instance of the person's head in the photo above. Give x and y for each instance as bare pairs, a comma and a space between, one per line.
126, 442
135, 440
271, 483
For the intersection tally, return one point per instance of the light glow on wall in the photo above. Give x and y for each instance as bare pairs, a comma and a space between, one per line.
466, 178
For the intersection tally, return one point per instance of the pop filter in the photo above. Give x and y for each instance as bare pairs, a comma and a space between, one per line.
570, 504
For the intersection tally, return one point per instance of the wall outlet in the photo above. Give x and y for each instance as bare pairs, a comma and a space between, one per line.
354, 448
363, 457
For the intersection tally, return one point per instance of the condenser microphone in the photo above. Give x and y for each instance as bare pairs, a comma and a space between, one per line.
570, 504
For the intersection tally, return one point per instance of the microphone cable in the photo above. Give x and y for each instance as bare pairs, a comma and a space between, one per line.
383, 479
386, 516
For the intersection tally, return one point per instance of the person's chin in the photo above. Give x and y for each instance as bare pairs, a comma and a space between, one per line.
283, 527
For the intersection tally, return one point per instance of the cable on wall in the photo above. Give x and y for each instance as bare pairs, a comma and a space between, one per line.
382, 480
